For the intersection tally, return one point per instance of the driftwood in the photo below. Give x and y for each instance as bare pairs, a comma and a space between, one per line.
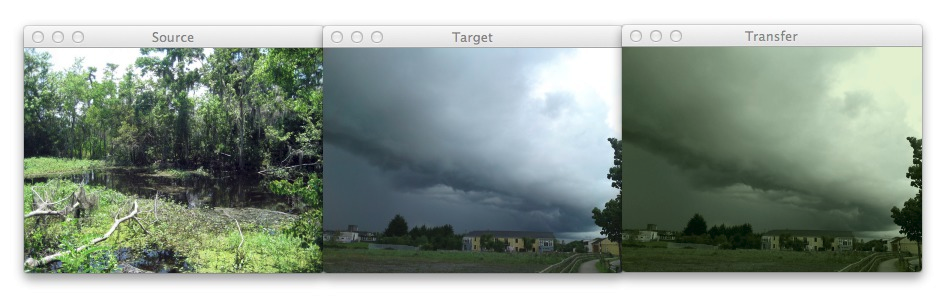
32, 262
284, 167
43, 206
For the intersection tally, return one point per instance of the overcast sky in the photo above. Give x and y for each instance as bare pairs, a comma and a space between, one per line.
482, 139
780, 137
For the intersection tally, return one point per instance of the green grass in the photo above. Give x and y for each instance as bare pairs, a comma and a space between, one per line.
700, 260
45, 166
647, 244
207, 238
353, 245
398, 261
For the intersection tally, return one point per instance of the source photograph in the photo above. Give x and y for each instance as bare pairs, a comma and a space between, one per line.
166, 160
772, 159
460, 160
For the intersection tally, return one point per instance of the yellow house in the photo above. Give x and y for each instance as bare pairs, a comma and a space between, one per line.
904, 245
812, 240
515, 240
604, 246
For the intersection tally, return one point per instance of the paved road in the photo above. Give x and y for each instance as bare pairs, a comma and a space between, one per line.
589, 266
890, 265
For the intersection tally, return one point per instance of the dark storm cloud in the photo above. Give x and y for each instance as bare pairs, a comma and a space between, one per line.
770, 136
456, 136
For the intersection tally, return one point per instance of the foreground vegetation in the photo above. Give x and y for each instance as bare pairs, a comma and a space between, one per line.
396, 261
221, 240
180, 112
705, 260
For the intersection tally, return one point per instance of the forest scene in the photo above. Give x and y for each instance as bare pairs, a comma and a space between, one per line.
173, 160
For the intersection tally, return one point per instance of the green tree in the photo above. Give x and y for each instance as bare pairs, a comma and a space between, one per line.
397, 227
610, 218
696, 225
909, 217
528, 244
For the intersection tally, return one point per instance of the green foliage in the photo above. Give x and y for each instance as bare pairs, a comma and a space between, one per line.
490, 243
308, 228
733, 237
573, 246
909, 217
876, 245
43, 166
207, 239
397, 227
696, 226
223, 109
787, 241
95, 259
610, 218
435, 238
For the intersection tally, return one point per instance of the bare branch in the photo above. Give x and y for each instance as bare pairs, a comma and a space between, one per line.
32, 262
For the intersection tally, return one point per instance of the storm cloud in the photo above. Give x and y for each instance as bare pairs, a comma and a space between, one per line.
780, 137
499, 139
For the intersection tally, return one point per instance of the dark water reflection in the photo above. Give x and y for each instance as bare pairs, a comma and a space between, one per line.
233, 190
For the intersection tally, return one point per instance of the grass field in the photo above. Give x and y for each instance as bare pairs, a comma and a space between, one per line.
44, 167
396, 261
699, 260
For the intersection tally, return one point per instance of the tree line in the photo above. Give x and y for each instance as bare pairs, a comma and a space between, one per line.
423, 237
243, 109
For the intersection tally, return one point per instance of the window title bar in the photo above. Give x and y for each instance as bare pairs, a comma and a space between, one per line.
172, 36
770, 35
471, 36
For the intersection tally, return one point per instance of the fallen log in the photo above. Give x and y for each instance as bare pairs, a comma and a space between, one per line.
32, 262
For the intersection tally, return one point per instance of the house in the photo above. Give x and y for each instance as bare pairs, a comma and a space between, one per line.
903, 245
811, 240
603, 246
347, 237
541, 241
651, 233
366, 236
645, 235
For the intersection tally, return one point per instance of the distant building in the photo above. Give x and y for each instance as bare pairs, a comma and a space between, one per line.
347, 237
350, 235
543, 241
814, 240
903, 245
650, 233
603, 246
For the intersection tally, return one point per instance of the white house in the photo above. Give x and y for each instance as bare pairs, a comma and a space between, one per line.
646, 235
347, 237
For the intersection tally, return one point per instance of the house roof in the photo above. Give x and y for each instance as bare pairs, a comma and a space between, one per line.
831, 233
511, 234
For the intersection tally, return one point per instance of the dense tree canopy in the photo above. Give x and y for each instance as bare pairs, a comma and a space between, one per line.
221, 109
